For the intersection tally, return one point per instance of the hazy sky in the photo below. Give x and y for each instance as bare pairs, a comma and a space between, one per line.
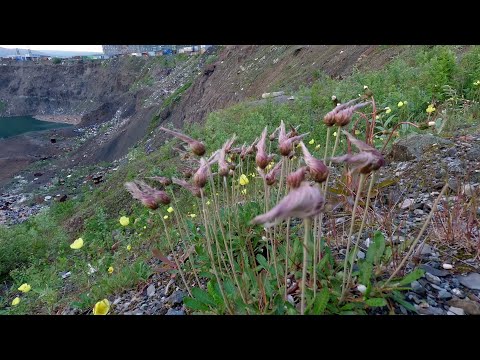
94, 48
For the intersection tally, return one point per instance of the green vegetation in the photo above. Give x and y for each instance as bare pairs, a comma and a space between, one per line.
56, 61
169, 101
38, 251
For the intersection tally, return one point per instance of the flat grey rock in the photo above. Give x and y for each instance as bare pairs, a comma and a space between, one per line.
471, 281
433, 271
175, 312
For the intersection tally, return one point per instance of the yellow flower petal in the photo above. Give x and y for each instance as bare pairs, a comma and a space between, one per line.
400, 104
16, 301
243, 180
193, 216
165, 217
25, 288
170, 209
208, 202
357, 132
129, 247
430, 109
110, 269
311, 142
388, 110
101, 307
335, 133
124, 221
77, 244
405, 103
317, 147
244, 191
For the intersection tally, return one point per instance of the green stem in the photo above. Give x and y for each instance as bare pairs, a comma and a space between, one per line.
307, 223
367, 204
349, 239
175, 257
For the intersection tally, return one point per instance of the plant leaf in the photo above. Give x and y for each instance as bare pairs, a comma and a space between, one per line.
376, 302
321, 302
414, 275
203, 297
366, 270
261, 259
195, 304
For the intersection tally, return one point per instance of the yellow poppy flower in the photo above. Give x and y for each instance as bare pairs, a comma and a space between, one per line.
388, 110
335, 133
405, 102
170, 209
165, 217
124, 221
357, 132
317, 147
110, 269
193, 216
311, 142
101, 307
244, 191
25, 288
129, 247
400, 104
430, 109
243, 180
77, 244
208, 202
16, 301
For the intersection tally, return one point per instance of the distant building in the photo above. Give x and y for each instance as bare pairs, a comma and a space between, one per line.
129, 49
152, 50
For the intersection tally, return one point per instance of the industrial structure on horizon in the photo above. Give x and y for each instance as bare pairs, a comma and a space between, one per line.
152, 50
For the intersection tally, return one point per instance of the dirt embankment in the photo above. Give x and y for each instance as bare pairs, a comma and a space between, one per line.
244, 72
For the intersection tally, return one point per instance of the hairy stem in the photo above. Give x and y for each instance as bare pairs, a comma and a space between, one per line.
349, 239
307, 222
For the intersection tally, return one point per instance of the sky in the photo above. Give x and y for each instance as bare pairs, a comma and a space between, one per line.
93, 48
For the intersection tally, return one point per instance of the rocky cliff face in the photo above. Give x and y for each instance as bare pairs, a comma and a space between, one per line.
76, 88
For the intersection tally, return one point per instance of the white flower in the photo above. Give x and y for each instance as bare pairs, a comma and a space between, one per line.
362, 288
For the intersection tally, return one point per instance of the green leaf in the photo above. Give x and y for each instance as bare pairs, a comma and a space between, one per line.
398, 297
261, 259
376, 248
388, 254
203, 296
229, 287
321, 302
414, 275
366, 269
213, 293
376, 302
268, 288
195, 304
